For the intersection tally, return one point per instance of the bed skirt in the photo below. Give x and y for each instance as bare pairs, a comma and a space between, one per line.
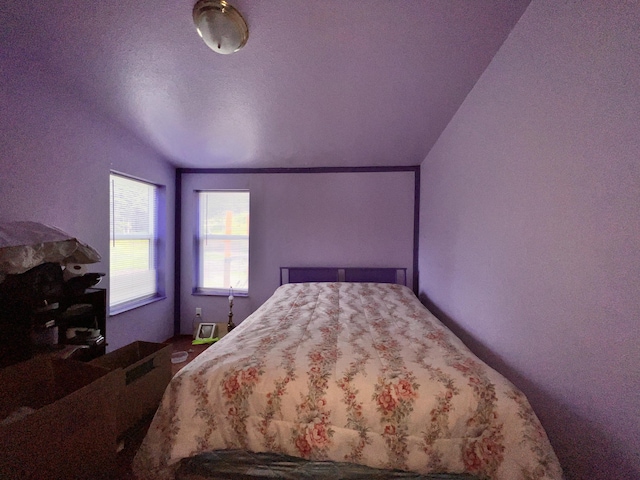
243, 465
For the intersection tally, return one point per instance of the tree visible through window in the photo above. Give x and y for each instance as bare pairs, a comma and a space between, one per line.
223, 237
133, 269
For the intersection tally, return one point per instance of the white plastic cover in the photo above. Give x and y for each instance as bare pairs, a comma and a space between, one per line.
24, 245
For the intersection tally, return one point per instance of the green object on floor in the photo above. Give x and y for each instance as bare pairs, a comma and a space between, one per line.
202, 341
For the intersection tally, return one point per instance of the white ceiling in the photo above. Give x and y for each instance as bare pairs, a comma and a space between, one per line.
319, 83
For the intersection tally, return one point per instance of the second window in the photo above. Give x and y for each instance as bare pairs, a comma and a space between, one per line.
223, 242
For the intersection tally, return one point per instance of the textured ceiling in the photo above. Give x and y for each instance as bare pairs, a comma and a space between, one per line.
319, 83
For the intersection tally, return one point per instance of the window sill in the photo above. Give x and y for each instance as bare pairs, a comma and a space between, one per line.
217, 293
125, 307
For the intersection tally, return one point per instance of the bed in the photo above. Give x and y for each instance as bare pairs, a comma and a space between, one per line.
343, 379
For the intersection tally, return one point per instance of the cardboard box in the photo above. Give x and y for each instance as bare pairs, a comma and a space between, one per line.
57, 420
144, 371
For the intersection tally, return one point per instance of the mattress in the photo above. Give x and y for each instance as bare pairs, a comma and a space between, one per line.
354, 374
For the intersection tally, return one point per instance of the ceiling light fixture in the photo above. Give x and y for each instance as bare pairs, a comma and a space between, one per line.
220, 25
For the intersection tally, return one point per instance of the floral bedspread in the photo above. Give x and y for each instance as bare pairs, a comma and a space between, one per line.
349, 372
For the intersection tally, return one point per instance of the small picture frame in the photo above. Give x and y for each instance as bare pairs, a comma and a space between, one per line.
206, 332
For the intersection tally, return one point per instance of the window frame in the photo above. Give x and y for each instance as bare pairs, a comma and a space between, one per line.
158, 241
222, 291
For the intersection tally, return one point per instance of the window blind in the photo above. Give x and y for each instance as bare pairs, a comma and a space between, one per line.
133, 256
223, 238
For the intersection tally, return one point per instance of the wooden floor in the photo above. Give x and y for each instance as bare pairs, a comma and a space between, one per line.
182, 343
132, 440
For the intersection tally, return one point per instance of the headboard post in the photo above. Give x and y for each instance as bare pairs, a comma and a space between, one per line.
343, 274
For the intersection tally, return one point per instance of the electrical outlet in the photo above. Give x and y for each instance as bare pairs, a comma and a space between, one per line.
198, 311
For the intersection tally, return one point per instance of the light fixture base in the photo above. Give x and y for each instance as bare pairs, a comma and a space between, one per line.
220, 25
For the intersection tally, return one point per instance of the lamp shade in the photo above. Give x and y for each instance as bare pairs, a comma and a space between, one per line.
220, 25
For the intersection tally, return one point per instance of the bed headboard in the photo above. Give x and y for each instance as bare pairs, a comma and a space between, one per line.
343, 274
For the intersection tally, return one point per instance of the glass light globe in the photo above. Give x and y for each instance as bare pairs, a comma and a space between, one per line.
220, 25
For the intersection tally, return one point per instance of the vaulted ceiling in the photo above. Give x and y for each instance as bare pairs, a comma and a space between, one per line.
319, 83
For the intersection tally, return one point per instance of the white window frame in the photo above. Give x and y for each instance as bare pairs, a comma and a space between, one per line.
239, 284
139, 287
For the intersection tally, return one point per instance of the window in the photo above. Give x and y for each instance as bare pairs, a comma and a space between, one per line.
223, 242
134, 243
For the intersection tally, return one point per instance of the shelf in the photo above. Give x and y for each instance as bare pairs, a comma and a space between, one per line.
50, 328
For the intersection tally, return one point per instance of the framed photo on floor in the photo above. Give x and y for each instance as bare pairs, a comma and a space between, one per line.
206, 332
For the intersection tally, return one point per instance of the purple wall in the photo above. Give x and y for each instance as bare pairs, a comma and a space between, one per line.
55, 158
305, 219
530, 226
